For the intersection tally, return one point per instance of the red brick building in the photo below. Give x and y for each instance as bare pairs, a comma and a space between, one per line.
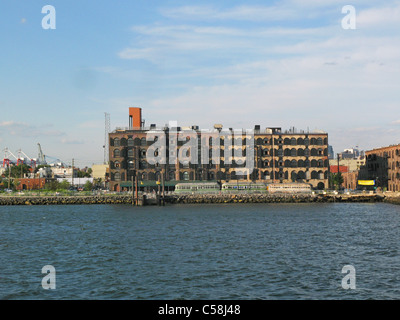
342, 169
30, 183
383, 165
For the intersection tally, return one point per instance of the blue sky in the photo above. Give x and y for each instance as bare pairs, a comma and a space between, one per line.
240, 63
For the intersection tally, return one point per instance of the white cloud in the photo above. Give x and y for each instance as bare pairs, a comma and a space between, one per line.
383, 17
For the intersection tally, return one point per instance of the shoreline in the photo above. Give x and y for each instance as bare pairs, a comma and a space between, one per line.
195, 199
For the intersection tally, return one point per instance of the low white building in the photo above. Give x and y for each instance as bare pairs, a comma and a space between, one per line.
63, 172
76, 182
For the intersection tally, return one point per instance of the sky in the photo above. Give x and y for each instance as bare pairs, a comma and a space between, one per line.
288, 63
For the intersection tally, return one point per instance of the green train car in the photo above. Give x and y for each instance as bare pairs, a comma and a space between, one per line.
198, 188
244, 187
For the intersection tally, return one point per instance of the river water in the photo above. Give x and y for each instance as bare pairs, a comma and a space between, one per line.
233, 251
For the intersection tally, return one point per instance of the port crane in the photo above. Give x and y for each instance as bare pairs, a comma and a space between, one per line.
42, 158
21, 159
7, 154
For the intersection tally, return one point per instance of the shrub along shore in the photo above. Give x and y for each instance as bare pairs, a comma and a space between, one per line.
194, 199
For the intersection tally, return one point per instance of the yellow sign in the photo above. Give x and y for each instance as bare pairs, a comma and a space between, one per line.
366, 182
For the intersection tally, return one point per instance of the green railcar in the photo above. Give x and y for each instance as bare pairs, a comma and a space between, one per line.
197, 188
244, 187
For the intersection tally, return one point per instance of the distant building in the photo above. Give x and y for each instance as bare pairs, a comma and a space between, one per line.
352, 153
298, 156
331, 154
102, 172
63, 172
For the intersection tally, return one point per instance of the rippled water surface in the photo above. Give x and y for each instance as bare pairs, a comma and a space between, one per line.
260, 251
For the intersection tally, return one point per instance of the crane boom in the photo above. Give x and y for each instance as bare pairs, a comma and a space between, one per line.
41, 156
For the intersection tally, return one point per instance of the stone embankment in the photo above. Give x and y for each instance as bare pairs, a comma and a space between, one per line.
193, 199
261, 198
64, 200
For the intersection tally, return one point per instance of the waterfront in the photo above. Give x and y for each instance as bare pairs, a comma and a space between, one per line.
224, 251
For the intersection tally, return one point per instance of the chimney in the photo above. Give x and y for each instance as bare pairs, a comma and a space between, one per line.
135, 118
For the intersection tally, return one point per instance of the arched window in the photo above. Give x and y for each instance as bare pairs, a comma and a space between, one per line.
185, 176
130, 153
117, 153
300, 141
320, 142
143, 142
314, 152
293, 141
314, 163
300, 152
286, 141
266, 164
293, 164
306, 141
307, 152
314, 175
130, 142
293, 152
117, 142
117, 176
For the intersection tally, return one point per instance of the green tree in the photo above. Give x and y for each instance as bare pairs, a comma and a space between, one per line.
65, 185
52, 185
16, 171
336, 180
88, 186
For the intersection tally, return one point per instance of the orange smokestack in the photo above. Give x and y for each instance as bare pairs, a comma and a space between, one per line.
135, 118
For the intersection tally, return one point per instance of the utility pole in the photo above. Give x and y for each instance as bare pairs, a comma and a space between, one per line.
338, 172
163, 186
137, 187
133, 192
9, 175
72, 180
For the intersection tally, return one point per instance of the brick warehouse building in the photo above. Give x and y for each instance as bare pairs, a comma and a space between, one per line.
278, 157
383, 166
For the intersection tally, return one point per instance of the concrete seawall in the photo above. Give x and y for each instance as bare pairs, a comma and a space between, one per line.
191, 199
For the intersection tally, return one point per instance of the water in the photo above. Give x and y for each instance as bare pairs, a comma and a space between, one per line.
260, 251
